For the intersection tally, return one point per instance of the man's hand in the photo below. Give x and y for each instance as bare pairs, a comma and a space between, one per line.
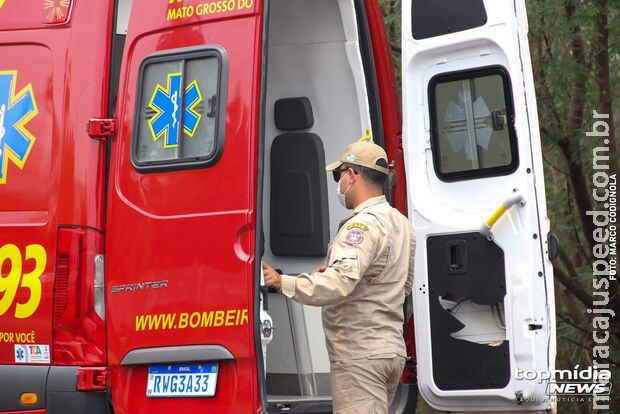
320, 269
272, 278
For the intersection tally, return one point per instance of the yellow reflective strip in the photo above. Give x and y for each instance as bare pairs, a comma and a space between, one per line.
498, 213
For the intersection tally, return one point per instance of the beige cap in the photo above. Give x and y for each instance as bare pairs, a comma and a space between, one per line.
364, 153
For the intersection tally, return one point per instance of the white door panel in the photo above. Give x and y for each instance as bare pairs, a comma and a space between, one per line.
471, 139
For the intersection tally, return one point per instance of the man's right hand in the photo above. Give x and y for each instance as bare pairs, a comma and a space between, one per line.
272, 277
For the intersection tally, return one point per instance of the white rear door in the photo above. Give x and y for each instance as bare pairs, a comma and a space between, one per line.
484, 310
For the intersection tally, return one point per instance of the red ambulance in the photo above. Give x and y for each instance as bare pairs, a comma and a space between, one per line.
154, 151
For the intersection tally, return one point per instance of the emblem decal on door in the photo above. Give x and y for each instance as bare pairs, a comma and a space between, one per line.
57, 11
16, 109
456, 124
166, 102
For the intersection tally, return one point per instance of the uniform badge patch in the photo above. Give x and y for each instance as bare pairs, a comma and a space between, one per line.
360, 226
354, 236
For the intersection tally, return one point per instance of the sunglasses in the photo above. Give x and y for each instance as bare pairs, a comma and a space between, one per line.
338, 173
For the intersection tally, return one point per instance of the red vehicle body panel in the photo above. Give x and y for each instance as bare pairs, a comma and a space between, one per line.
388, 96
56, 59
207, 235
62, 179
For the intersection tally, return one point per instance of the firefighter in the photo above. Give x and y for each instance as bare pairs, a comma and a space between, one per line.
363, 286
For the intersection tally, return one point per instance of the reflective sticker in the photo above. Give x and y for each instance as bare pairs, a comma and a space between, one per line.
16, 109
32, 354
455, 120
57, 11
354, 236
166, 102
21, 353
360, 226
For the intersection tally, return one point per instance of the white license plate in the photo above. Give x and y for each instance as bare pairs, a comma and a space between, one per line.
182, 380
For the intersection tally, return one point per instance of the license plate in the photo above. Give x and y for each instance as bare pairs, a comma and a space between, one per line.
182, 380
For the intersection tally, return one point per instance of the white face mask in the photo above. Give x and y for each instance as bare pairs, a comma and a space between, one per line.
342, 196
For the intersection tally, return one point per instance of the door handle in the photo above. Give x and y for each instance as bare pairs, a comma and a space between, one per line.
457, 257
515, 198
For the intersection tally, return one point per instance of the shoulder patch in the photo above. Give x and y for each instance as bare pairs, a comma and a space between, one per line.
360, 226
354, 236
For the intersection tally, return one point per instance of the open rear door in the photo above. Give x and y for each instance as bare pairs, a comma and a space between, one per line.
484, 310
181, 220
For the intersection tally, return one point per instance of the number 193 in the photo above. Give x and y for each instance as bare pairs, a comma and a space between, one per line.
11, 281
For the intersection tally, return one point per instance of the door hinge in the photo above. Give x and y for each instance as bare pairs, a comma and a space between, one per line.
92, 379
267, 328
101, 128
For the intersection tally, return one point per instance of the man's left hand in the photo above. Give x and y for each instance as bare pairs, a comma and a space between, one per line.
272, 277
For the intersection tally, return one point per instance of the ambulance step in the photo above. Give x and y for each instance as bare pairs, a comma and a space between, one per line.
299, 404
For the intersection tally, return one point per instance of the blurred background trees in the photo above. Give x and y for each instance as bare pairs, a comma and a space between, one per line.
575, 50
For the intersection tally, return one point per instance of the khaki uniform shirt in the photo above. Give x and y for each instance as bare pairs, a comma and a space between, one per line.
362, 290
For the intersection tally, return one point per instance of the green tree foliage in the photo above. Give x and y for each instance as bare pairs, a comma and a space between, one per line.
391, 16
575, 50
575, 56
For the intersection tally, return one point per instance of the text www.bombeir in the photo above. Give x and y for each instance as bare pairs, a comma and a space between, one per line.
191, 320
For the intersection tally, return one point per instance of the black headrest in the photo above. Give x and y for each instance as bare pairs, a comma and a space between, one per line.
293, 113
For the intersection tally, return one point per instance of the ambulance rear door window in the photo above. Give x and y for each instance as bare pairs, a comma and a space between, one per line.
180, 119
472, 124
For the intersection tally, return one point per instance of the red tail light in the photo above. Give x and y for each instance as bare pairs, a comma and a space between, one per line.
79, 332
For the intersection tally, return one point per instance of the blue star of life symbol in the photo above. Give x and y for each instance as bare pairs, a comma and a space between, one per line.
166, 101
20, 354
16, 109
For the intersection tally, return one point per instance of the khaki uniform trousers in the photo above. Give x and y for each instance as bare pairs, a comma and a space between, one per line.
365, 385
